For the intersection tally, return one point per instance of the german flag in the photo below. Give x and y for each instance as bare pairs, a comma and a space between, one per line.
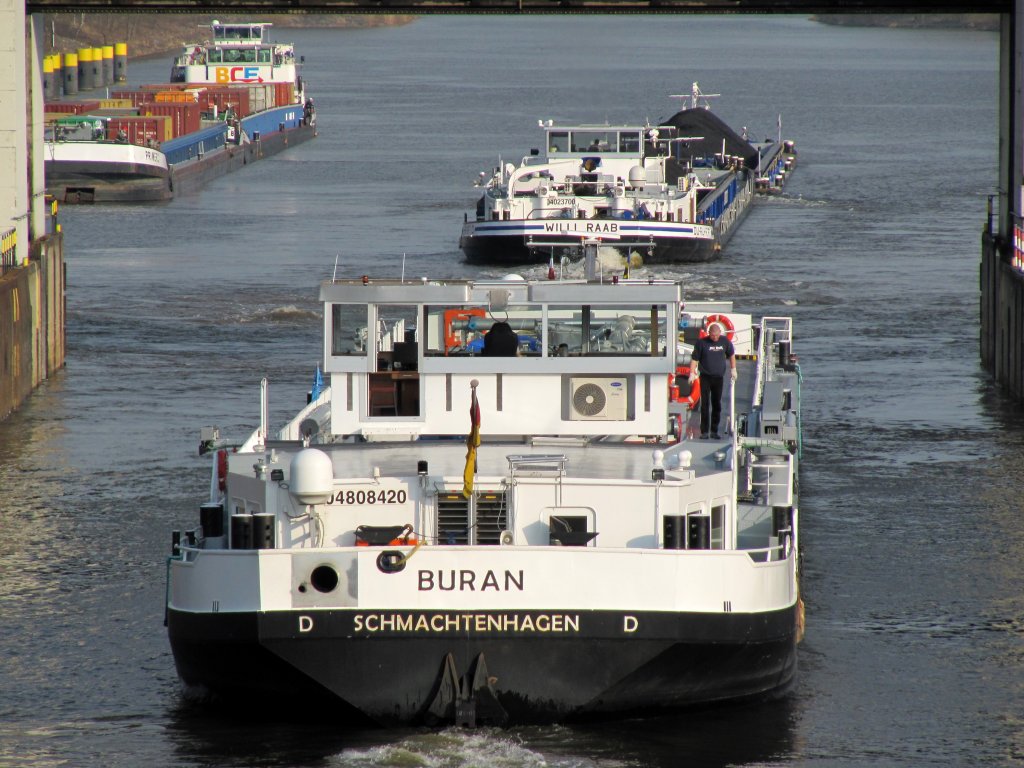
472, 443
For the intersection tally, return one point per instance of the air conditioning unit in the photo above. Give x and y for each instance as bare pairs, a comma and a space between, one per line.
597, 399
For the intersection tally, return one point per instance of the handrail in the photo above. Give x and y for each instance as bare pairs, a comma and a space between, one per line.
783, 548
552, 462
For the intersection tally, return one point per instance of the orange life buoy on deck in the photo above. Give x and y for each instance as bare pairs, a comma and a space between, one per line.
722, 320
452, 340
673, 388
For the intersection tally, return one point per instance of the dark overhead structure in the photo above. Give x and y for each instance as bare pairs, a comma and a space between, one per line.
519, 6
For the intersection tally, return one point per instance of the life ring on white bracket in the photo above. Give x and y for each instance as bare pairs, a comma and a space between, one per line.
722, 320
693, 398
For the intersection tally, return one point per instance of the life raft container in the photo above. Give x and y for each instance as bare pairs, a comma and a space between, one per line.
452, 337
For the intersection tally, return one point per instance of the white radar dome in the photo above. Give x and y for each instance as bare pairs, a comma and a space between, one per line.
312, 476
637, 177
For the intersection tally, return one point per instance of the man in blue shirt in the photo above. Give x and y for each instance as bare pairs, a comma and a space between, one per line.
713, 355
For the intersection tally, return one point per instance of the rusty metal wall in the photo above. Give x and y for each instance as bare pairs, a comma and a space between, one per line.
32, 322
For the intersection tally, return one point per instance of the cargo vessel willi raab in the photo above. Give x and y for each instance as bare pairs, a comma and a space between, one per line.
494, 508
233, 99
671, 192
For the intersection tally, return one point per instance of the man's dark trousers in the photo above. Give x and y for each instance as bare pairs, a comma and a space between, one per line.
710, 400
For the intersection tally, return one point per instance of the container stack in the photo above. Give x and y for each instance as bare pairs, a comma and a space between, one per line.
153, 114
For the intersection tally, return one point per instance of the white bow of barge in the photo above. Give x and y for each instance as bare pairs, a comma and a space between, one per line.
587, 558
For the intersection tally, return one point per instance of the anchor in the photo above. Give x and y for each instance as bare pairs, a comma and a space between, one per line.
466, 701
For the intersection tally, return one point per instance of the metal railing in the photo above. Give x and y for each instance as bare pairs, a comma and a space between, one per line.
9, 250
12, 255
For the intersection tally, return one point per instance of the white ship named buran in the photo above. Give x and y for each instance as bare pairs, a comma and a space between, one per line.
456, 530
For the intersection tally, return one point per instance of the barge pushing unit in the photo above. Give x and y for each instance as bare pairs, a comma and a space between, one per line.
673, 192
502, 533
233, 99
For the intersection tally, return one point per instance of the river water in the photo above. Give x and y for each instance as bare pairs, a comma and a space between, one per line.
911, 478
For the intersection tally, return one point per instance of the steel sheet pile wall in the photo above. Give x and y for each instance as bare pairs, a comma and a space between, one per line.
32, 322
1002, 315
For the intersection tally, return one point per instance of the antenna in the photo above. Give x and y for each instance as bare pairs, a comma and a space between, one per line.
403, 267
335, 276
264, 411
695, 96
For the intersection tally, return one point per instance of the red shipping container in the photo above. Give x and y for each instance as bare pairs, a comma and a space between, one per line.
185, 118
137, 97
166, 86
71, 107
285, 94
222, 98
144, 131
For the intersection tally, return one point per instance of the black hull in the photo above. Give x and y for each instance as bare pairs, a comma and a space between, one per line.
183, 178
94, 188
513, 251
394, 678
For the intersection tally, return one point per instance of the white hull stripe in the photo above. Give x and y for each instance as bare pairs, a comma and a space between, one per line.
632, 230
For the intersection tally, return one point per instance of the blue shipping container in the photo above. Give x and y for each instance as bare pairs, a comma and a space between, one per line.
271, 121
194, 144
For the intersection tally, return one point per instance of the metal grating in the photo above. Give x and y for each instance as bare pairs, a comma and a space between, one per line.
452, 519
491, 517
454, 524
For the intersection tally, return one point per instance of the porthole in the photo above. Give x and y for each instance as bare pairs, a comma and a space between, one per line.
324, 578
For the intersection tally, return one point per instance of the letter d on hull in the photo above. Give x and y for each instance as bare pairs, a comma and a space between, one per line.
629, 624
305, 623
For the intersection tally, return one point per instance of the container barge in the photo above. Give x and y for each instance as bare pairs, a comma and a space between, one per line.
232, 100
671, 192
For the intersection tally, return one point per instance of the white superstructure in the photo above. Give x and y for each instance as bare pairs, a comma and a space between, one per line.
236, 53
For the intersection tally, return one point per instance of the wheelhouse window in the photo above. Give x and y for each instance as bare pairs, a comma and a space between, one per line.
239, 33
593, 141
607, 330
629, 142
558, 141
393, 387
461, 331
348, 330
240, 55
570, 330
395, 335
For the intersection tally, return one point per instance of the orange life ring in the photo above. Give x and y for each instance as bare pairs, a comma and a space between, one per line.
673, 390
722, 320
452, 340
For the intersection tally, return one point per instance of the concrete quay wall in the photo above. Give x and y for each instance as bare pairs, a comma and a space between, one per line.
32, 322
